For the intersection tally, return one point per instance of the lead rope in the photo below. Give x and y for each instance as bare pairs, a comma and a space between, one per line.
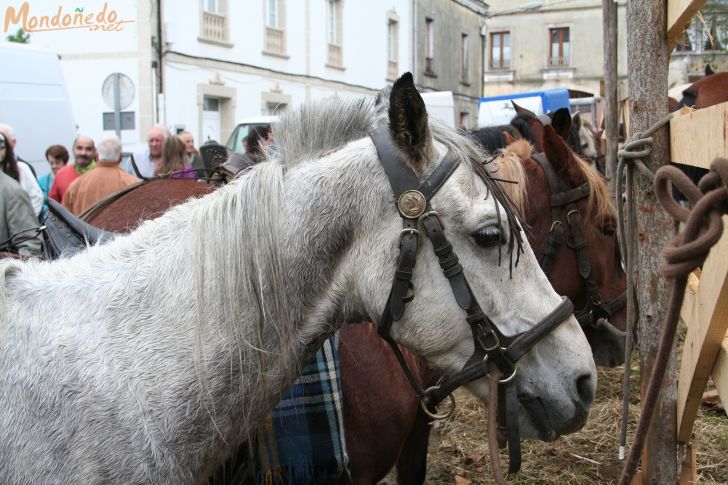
495, 377
682, 254
636, 148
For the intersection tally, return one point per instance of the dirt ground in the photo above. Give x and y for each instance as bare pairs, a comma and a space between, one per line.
459, 452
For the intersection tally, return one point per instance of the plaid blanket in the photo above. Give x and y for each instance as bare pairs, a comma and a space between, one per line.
302, 441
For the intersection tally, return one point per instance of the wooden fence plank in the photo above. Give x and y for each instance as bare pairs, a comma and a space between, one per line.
679, 13
706, 313
697, 137
720, 372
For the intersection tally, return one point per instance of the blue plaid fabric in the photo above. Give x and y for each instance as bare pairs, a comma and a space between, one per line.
302, 441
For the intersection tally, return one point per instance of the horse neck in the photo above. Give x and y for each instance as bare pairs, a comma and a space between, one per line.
215, 331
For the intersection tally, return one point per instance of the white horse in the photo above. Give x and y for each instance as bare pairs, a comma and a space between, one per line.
148, 359
588, 142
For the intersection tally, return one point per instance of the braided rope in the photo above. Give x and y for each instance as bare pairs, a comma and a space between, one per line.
682, 254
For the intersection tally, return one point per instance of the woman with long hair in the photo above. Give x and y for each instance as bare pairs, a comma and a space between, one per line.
20, 171
174, 160
7, 159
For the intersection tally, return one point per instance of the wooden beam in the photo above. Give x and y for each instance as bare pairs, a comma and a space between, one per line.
705, 310
720, 372
679, 14
697, 137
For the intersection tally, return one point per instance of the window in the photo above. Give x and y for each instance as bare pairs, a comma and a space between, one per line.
464, 122
430, 46
211, 6
500, 50
559, 47
392, 46
464, 58
271, 19
333, 33
275, 31
214, 24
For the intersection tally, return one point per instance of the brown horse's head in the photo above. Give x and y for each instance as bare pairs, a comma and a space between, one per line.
708, 91
598, 223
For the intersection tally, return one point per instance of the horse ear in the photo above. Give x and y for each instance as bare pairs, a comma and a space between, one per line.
520, 109
709, 70
561, 157
576, 120
508, 138
561, 121
408, 122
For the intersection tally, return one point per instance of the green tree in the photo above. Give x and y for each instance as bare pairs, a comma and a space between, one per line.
21, 37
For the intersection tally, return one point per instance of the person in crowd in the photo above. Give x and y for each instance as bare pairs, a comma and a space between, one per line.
84, 160
26, 174
105, 179
258, 140
193, 155
255, 144
150, 158
174, 159
17, 216
57, 157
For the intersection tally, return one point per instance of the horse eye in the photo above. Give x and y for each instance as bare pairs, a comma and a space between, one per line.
608, 230
488, 237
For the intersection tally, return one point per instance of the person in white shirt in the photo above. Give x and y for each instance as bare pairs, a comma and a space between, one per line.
27, 178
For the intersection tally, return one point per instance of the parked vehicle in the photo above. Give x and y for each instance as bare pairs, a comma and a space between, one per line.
498, 110
34, 101
235, 142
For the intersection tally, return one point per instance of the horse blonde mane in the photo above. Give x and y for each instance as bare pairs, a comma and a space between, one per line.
600, 207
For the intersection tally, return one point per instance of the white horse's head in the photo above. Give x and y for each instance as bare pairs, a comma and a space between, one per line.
556, 379
587, 138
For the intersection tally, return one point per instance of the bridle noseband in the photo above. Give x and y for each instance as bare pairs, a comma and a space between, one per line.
493, 350
564, 199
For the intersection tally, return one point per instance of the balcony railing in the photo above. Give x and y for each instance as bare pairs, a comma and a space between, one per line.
213, 27
392, 69
335, 57
558, 62
275, 40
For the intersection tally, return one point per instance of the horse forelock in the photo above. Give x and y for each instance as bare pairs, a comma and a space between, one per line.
510, 169
600, 206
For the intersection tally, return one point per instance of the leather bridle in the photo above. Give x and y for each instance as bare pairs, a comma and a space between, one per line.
494, 352
563, 200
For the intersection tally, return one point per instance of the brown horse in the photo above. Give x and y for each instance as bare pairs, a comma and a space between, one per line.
382, 417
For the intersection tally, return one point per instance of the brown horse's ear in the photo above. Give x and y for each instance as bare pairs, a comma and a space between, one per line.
508, 138
561, 157
408, 122
709, 70
561, 121
520, 109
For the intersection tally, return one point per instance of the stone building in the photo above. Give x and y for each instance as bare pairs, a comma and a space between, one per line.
448, 53
544, 44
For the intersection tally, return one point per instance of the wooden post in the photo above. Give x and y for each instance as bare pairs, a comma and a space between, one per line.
611, 110
648, 63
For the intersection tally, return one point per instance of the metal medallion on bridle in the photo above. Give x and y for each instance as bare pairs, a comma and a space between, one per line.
412, 204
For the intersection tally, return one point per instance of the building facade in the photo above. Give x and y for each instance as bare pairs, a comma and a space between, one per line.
203, 65
448, 53
547, 44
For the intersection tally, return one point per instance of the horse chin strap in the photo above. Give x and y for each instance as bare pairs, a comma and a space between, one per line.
564, 198
494, 352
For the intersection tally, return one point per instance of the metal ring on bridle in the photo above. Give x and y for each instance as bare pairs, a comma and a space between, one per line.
572, 211
438, 416
510, 377
553, 225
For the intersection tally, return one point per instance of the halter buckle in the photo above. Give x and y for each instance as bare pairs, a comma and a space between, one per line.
485, 347
409, 231
430, 214
553, 225
596, 300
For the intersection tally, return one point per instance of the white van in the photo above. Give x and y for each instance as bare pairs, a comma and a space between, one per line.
34, 101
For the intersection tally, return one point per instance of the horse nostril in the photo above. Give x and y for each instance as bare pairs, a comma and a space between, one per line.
585, 389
